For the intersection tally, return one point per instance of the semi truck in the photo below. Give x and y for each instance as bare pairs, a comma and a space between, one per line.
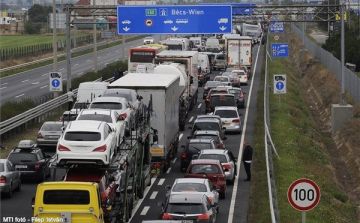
179, 44
239, 51
189, 69
130, 167
164, 89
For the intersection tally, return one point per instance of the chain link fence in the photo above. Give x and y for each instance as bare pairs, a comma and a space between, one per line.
352, 81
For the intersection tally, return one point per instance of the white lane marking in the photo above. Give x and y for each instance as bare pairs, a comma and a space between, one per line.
161, 181
117, 51
35, 83
147, 189
88, 60
168, 171
106, 63
235, 188
174, 160
4, 83
99, 56
180, 136
44, 86
192, 117
25, 80
80, 73
153, 195
145, 210
62, 69
19, 95
199, 105
75, 64
44, 75
3, 88
108, 53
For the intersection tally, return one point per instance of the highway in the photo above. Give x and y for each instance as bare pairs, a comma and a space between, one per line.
232, 209
34, 83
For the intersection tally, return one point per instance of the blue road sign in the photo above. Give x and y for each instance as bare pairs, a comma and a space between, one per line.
279, 50
55, 83
238, 9
276, 27
279, 86
190, 19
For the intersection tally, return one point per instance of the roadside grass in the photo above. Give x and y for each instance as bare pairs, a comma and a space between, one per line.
30, 133
294, 133
73, 55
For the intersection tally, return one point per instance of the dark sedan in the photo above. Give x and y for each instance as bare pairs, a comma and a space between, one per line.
210, 85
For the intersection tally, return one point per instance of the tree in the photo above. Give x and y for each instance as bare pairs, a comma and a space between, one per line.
39, 13
32, 28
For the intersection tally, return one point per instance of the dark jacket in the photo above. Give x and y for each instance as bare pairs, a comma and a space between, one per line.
248, 152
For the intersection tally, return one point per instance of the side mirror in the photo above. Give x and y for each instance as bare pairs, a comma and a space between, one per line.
215, 205
32, 203
160, 204
107, 204
168, 187
224, 138
139, 97
195, 157
63, 128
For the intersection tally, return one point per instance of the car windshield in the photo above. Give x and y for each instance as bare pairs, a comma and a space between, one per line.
234, 91
182, 187
205, 168
222, 101
22, 157
118, 94
96, 117
107, 105
206, 126
80, 105
82, 136
68, 117
199, 146
226, 113
51, 127
2, 167
220, 157
212, 84
185, 208
220, 57
215, 138
221, 79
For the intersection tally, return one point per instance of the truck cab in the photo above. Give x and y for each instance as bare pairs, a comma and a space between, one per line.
74, 202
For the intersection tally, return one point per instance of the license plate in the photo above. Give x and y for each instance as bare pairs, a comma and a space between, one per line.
226, 123
21, 166
187, 221
53, 137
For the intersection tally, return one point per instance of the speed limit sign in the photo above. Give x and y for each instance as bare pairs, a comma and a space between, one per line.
303, 194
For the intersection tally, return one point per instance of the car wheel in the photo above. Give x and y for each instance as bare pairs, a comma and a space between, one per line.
18, 188
10, 193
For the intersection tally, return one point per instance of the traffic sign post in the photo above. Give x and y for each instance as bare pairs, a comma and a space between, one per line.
279, 50
303, 195
279, 86
173, 19
276, 27
55, 84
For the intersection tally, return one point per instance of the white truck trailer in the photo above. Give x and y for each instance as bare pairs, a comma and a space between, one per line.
164, 89
190, 61
239, 51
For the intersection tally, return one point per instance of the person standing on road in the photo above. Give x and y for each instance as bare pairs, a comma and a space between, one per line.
247, 159
71, 97
116, 74
121, 73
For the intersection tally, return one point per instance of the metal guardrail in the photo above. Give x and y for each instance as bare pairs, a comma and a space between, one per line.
274, 209
38, 111
60, 55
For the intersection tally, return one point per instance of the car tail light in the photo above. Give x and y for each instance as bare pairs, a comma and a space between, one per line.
100, 149
183, 155
219, 144
37, 166
166, 216
236, 120
39, 136
200, 75
158, 165
236, 79
207, 99
203, 217
2, 179
123, 115
226, 166
63, 148
241, 95
210, 198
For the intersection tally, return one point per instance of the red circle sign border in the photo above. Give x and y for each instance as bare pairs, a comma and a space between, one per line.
152, 22
304, 180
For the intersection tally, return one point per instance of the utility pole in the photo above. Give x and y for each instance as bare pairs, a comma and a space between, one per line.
68, 50
56, 94
342, 97
95, 47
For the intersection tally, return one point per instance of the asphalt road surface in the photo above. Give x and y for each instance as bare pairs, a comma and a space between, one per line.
233, 209
34, 83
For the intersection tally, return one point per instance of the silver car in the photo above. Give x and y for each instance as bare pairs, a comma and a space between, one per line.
49, 134
230, 118
227, 160
9, 178
194, 185
215, 135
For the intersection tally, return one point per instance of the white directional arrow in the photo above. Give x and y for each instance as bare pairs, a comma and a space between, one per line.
174, 28
222, 28
126, 29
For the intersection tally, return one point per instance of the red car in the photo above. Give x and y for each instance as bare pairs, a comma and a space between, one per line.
210, 169
106, 183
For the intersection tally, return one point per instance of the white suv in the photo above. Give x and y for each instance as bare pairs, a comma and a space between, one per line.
109, 116
91, 142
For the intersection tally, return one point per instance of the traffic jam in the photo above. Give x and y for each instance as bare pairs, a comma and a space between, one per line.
163, 142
